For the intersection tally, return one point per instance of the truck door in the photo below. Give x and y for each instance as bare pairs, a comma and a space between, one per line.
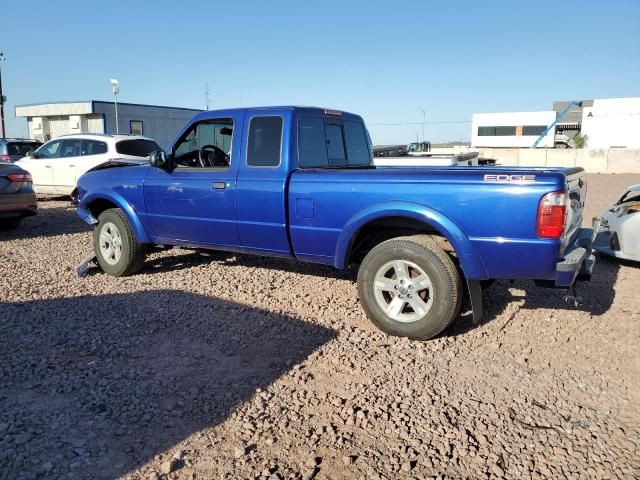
195, 204
262, 182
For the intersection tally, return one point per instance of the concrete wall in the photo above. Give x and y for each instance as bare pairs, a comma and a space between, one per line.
511, 119
593, 160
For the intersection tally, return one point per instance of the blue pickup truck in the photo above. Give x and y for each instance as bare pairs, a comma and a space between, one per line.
299, 182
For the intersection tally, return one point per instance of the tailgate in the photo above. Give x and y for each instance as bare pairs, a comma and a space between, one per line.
577, 193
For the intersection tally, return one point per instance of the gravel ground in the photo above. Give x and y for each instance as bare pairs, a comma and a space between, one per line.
246, 367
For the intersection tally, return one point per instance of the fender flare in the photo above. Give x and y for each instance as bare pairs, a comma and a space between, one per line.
470, 261
136, 225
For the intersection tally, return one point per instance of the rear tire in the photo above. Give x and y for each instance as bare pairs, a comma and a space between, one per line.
117, 250
409, 287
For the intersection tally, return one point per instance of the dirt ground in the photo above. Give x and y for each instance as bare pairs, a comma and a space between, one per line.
243, 367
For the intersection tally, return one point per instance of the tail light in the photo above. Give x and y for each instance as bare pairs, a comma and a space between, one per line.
5, 158
552, 211
20, 177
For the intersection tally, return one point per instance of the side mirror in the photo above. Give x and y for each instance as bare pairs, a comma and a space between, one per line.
32, 154
158, 159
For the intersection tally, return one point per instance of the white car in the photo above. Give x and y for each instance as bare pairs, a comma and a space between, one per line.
618, 229
57, 165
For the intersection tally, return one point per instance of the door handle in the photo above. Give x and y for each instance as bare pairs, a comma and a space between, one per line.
219, 185
47, 166
72, 166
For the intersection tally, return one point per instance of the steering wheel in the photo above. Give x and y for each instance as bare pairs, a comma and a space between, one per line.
205, 161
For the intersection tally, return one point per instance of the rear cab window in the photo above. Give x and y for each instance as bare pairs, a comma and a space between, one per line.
138, 147
328, 142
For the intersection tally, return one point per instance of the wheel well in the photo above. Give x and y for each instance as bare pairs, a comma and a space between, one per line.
99, 205
382, 229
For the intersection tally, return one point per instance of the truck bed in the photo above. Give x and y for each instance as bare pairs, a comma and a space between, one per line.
487, 213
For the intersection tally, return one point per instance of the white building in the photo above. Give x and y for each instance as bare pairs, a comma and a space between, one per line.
511, 129
607, 123
612, 123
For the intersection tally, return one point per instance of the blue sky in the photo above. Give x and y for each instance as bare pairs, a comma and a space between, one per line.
381, 59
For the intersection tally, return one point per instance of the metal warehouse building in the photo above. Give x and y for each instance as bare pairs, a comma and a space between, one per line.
49, 120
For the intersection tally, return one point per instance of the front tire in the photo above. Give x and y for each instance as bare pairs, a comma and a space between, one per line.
409, 287
118, 252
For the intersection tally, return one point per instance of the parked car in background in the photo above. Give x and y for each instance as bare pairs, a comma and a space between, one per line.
618, 229
17, 198
13, 149
300, 182
57, 165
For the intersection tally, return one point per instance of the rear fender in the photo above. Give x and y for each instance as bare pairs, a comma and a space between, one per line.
120, 202
469, 259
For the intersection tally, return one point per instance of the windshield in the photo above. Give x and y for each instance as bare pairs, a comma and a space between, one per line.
630, 196
136, 148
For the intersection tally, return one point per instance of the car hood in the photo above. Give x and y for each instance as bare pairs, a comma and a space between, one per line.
117, 163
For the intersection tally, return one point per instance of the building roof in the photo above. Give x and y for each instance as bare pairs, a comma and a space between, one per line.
78, 108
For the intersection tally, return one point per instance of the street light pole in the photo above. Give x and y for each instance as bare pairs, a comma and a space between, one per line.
115, 86
2, 100
424, 119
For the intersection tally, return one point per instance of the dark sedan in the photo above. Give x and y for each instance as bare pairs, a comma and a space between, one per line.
17, 198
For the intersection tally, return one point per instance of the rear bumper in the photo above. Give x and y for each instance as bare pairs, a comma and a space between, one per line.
18, 205
578, 260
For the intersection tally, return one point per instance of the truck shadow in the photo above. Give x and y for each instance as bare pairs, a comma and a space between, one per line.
187, 259
95, 386
49, 222
598, 296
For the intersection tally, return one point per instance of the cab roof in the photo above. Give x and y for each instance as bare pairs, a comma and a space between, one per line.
304, 110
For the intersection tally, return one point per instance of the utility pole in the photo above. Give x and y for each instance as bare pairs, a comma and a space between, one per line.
206, 97
115, 86
424, 119
3, 99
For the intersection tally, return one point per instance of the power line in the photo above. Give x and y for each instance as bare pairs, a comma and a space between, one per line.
417, 123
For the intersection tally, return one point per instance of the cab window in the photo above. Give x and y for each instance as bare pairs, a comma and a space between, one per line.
206, 144
71, 148
93, 147
265, 141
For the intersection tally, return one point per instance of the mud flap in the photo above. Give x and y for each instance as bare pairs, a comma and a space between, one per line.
475, 295
83, 267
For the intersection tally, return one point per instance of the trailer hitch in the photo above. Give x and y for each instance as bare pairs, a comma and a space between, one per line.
572, 297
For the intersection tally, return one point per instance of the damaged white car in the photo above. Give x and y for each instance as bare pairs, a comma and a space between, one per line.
618, 229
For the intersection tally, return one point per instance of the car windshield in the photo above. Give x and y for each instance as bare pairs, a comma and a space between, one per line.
630, 196
136, 147
21, 148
